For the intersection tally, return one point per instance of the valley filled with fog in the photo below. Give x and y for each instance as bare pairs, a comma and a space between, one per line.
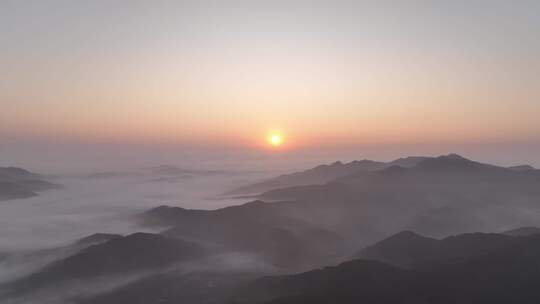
101, 202
105, 201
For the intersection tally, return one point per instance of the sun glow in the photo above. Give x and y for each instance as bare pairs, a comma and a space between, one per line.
275, 139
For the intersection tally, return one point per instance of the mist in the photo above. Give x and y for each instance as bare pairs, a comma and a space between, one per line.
39, 230
105, 201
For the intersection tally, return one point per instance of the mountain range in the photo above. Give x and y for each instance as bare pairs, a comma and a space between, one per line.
471, 268
271, 250
322, 174
102, 255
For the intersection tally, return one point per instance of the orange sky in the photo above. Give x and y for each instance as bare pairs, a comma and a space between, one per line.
202, 73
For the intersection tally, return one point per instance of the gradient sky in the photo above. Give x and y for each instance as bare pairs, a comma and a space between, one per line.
224, 73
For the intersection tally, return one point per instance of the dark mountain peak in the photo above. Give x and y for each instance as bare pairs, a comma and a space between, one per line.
453, 156
403, 238
354, 162
522, 231
449, 162
407, 235
337, 164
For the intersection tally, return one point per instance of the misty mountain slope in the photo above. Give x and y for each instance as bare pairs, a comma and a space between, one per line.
440, 173
118, 256
437, 197
267, 229
318, 175
18, 183
500, 275
450, 168
176, 287
96, 238
323, 174
19, 263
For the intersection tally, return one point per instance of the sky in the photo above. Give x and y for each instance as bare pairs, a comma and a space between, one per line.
401, 77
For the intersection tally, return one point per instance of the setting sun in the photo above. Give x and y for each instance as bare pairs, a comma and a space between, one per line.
275, 140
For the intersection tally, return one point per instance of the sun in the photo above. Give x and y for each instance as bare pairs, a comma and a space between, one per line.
275, 140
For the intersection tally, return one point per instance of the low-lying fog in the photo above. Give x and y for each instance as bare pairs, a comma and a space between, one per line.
104, 202
93, 202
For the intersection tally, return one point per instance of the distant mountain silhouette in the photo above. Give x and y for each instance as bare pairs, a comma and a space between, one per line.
487, 274
117, 256
450, 168
439, 196
318, 175
323, 174
19, 183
